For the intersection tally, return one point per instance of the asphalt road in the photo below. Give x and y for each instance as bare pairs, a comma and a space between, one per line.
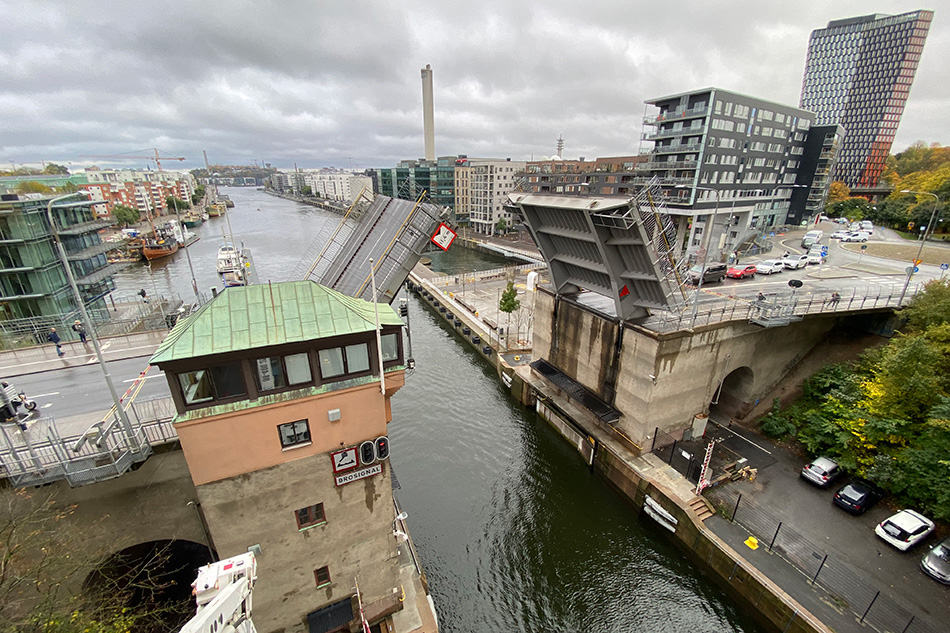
77, 390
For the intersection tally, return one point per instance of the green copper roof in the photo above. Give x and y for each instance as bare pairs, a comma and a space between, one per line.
247, 317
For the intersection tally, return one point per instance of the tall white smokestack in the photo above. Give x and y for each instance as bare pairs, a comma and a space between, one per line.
427, 117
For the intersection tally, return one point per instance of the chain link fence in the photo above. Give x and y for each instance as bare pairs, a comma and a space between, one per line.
845, 586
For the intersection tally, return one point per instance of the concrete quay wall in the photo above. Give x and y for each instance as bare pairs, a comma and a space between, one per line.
635, 477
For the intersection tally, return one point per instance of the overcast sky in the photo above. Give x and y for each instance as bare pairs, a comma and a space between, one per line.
338, 83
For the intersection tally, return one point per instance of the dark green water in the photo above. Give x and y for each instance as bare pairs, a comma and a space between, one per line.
514, 532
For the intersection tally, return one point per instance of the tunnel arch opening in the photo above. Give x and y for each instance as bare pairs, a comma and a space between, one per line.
733, 397
151, 579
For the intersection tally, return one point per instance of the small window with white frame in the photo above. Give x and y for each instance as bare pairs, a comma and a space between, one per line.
295, 433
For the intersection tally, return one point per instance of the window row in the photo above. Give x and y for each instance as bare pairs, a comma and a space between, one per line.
273, 373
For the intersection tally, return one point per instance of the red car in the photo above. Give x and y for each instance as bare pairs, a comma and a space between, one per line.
741, 272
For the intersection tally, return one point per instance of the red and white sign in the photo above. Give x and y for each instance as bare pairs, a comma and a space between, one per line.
344, 460
443, 237
356, 475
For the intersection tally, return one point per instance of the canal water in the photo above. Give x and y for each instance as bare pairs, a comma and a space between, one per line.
513, 531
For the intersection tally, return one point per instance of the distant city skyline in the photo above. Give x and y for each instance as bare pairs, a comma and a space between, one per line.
338, 85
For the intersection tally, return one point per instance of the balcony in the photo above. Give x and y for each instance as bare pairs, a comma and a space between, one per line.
85, 227
675, 115
92, 251
666, 182
686, 131
682, 148
673, 164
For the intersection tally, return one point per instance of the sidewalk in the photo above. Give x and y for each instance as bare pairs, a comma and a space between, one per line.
33, 360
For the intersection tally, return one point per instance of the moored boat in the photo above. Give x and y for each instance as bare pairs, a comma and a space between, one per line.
162, 246
216, 209
191, 219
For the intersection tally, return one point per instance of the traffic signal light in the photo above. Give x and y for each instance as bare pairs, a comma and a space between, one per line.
382, 447
367, 453
403, 310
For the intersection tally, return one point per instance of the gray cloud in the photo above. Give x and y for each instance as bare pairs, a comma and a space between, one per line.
337, 83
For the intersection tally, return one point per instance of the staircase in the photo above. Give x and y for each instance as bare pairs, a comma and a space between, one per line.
701, 508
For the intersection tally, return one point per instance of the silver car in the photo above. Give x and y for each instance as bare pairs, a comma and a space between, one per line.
936, 563
821, 472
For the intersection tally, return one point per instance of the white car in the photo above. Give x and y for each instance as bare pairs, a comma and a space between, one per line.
794, 262
769, 266
857, 236
904, 529
840, 235
867, 226
814, 257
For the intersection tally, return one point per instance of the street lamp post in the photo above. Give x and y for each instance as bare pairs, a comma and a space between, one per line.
90, 326
923, 239
702, 265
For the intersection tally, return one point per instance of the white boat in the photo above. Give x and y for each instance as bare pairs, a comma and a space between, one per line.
229, 259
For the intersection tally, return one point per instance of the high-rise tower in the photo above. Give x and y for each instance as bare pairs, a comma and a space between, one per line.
427, 118
858, 74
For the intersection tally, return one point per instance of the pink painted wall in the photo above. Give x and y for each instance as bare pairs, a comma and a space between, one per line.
222, 446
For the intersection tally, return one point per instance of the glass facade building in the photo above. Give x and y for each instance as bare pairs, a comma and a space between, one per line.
858, 75
32, 280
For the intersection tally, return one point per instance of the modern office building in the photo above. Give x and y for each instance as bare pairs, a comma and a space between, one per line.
32, 279
858, 75
482, 186
409, 178
728, 165
282, 414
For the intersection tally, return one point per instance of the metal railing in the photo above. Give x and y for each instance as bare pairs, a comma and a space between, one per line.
494, 273
780, 309
33, 453
845, 586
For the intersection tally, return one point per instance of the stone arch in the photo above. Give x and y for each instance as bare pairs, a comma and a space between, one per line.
153, 577
733, 398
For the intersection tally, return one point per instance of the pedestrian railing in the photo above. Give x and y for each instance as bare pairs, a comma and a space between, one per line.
780, 308
495, 273
845, 586
33, 453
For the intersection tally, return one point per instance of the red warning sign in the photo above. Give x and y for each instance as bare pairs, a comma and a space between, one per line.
444, 236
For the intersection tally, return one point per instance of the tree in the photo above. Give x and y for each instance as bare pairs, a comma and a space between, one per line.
173, 202
508, 304
125, 215
851, 208
32, 186
501, 226
306, 190
54, 169
930, 307
43, 555
198, 195
837, 192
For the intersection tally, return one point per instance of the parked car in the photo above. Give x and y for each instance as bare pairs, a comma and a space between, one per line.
857, 496
794, 262
855, 226
769, 266
821, 472
741, 272
840, 235
815, 257
841, 221
856, 236
904, 529
936, 563
867, 226
711, 274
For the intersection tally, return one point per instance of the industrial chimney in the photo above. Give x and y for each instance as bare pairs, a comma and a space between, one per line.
427, 118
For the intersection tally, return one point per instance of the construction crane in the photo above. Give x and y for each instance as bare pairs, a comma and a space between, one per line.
158, 159
223, 593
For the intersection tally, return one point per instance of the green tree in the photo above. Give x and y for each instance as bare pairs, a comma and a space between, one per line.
198, 195
125, 215
501, 226
851, 208
930, 307
32, 186
306, 190
172, 201
509, 303
53, 168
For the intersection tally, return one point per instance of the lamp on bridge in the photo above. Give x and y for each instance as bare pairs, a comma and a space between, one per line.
90, 326
923, 239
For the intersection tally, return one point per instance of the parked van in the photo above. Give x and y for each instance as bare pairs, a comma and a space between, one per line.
714, 273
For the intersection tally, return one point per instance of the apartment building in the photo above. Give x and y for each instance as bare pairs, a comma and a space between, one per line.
607, 176
32, 279
338, 185
144, 190
728, 164
858, 75
482, 186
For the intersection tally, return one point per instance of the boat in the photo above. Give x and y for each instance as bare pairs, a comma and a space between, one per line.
226, 200
216, 209
191, 219
229, 259
162, 245
232, 279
